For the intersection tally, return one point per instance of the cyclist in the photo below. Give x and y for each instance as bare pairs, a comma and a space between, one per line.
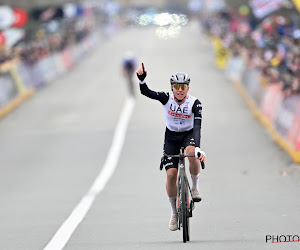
129, 67
183, 114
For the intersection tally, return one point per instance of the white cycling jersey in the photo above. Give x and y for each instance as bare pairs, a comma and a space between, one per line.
179, 118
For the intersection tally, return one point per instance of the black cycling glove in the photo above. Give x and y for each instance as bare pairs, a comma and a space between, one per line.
142, 76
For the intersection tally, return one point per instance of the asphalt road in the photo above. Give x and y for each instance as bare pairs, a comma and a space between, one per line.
54, 145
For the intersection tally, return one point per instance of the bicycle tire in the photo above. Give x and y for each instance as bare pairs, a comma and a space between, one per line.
187, 217
184, 211
178, 203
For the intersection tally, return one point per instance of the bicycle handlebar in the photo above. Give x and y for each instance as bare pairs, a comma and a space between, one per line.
184, 155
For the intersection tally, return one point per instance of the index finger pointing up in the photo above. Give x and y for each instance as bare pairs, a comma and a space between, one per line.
143, 67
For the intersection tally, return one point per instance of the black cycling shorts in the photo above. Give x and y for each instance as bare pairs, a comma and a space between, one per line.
172, 144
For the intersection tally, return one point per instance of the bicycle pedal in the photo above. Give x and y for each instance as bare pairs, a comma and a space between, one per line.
192, 205
197, 199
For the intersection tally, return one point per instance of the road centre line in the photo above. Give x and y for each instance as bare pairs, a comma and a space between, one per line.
66, 230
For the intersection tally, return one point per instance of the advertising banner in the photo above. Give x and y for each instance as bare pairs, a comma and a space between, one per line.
8, 89
37, 75
23, 70
294, 131
285, 115
253, 85
271, 101
47, 68
67, 59
235, 68
59, 64
262, 8
76, 52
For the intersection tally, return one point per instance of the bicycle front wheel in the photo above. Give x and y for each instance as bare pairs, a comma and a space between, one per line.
184, 211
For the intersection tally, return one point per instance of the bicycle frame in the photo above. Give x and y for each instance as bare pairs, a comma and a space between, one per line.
184, 205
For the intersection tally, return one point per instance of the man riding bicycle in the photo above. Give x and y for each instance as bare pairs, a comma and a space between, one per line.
128, 68
183, 114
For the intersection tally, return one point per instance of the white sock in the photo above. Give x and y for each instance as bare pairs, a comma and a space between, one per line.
173, 205
195, 180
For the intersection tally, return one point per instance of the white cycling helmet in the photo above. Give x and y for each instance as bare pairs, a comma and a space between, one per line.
180, 77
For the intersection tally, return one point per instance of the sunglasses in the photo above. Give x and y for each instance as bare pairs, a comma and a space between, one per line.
183, 86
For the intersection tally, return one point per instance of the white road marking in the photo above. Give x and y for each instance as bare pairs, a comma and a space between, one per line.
66, 230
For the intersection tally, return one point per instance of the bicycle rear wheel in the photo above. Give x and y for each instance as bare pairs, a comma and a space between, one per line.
184, 211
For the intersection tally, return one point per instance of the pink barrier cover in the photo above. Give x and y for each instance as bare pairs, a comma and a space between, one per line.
271, 101
294, 131
66, 56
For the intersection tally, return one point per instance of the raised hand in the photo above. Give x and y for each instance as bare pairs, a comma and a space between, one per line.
141, 73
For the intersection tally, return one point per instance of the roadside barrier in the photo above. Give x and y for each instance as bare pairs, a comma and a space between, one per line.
12, 90
19, 80
278, 113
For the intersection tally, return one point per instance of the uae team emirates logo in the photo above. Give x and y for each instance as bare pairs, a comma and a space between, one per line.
172, 113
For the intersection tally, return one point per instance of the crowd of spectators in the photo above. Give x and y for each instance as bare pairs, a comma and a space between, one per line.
40, 43
271, 45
